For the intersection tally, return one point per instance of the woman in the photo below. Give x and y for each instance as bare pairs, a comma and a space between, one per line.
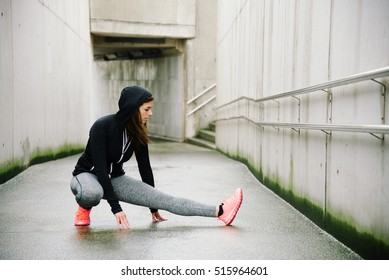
99, 171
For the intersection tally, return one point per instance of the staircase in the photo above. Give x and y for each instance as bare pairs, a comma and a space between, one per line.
205, 137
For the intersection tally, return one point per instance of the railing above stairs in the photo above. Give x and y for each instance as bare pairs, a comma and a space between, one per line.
202, 104
205, 126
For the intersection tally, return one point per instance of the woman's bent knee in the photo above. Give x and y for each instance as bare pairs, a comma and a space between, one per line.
87, 190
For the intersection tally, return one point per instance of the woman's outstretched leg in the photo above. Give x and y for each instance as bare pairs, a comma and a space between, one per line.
136, 192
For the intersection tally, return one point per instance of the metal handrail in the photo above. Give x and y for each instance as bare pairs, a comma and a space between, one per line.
201, 105
198, 96
201, 94
372, 129
378, 73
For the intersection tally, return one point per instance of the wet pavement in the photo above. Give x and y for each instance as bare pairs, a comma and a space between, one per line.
37, 211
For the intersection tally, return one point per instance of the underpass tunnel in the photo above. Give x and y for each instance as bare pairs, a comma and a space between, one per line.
154, 63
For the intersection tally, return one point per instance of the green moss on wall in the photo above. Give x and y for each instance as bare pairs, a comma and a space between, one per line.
14, 167
45, 155
366, 245
9, 170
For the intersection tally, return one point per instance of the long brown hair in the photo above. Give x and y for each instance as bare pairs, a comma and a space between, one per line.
136, 130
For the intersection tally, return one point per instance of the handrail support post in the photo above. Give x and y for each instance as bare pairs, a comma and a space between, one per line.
383, 105
299, 112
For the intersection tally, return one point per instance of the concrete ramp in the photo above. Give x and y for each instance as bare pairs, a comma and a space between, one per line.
37, 210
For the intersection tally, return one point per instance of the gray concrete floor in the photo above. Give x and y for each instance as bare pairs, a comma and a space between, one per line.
37, 211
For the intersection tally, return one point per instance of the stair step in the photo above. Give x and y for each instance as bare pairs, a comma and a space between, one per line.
212, 126
201, 143
207, 135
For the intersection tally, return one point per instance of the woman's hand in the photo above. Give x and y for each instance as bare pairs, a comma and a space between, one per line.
156, 217
122, 221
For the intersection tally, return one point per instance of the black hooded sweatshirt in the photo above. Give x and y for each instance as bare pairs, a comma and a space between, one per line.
107, 148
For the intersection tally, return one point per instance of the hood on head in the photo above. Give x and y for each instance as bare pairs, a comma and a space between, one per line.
130, 99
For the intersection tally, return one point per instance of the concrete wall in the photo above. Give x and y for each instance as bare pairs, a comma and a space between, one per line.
151, 18
268, 47
45, 62
201, 65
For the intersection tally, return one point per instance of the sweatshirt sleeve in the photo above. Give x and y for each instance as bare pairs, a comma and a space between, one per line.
145, 171
98, 146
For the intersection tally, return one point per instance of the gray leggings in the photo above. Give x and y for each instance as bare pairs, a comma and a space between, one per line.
89, 192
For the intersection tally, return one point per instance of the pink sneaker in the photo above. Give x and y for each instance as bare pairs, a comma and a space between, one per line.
82, 217
231, 207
